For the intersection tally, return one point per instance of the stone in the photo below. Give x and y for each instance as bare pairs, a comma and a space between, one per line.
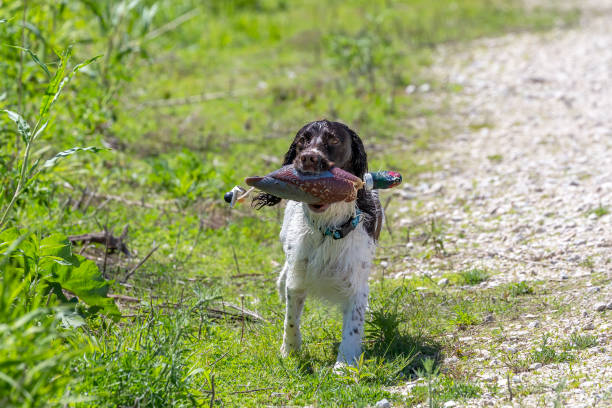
535, 366
383, 403
449, 404
443, 282
600, 307
588, 326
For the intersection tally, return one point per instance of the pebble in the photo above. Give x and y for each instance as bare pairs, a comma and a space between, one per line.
533, 325
443, 282
424, 87
449, 404
588, 326
594, 289
600, 307
535, 366
586, 384
383, 403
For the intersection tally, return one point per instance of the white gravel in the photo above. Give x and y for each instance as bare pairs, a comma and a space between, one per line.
524, 191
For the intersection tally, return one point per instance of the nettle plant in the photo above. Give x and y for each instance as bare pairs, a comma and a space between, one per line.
49, 260
29, 171
45, 289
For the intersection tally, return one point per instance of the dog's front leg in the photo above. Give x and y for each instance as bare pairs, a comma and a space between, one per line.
352, 328
292, 338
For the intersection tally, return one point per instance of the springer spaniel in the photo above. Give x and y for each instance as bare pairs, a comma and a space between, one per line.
328, 248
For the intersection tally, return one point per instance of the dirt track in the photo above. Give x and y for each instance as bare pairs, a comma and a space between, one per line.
526, 191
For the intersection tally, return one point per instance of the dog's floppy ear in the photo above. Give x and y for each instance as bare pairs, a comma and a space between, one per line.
359, 158
264, 199
291, 153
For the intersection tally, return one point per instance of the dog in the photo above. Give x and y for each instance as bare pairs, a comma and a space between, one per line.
328, 248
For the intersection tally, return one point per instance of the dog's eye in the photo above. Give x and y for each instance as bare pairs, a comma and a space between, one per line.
333, 140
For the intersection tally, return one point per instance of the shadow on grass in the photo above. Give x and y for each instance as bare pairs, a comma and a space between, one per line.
386, 340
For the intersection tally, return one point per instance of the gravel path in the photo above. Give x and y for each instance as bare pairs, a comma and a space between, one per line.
526, 192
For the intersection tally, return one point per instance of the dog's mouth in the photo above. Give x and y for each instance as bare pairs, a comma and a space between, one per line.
318, 208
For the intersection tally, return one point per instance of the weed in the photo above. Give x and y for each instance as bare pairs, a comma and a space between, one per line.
430, 372
546, 354
558, 389
519, 289
587, 263
464, 317
581, 341
599, 211
474, 276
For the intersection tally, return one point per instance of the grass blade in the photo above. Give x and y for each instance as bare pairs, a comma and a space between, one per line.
53, 161
34, 58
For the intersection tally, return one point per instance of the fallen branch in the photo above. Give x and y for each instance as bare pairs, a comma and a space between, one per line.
124, 298
253, 390
105, 238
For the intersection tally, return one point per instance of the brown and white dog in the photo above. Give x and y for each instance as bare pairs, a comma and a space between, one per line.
317, 262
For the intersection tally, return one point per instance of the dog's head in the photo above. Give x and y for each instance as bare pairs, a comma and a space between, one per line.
317, 147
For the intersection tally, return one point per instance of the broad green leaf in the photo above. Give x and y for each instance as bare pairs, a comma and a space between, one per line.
53, 161
59, 267
22, 125
56, 246
76, 274
87, 283
34, 58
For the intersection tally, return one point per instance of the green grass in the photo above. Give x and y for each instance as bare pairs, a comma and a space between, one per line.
599, 211
546, 353
474, 276
192, 97
519, 289
581, 341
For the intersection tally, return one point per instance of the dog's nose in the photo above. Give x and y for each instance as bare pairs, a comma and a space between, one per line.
310, 159
311, 162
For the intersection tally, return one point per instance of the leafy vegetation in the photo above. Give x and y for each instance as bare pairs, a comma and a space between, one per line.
175, 102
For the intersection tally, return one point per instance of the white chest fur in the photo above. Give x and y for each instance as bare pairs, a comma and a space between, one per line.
329, 268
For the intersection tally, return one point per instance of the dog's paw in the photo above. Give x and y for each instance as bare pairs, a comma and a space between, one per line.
287, 350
